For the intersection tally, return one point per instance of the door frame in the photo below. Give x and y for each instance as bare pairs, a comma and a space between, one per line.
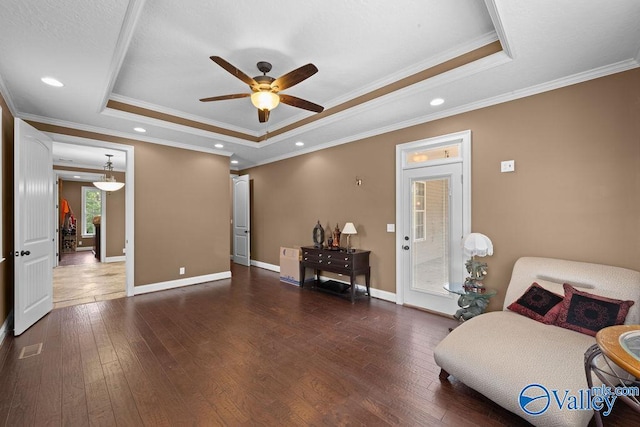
247, 212
129, 189
464, 139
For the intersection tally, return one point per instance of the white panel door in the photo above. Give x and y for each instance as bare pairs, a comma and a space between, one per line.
33, 195
241, 221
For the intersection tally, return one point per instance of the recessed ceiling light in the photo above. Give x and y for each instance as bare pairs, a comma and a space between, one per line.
234, 162
219, 146
76, 176
300, 143
139, 129
52, 82
436, 101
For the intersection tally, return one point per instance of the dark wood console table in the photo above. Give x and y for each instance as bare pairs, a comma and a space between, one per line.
352, 263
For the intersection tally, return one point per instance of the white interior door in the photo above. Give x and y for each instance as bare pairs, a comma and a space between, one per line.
241, 221
432, 233
33, 195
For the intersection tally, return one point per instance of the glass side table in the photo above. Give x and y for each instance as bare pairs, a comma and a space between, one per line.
615, 360
471, 303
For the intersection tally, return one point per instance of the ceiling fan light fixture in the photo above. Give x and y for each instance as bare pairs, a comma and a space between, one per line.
265, 100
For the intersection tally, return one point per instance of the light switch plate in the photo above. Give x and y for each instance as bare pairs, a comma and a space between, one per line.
391, 228
508, 166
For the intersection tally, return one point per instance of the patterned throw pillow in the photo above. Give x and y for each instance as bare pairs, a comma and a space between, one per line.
588, 313
539, 304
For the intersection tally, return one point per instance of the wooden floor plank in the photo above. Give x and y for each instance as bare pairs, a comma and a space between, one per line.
49, 405
243, 351
74, 401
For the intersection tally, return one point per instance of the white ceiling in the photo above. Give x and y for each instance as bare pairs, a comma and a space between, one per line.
155, 55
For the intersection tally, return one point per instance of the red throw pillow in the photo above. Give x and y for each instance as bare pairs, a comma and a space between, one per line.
588, 313
539, 304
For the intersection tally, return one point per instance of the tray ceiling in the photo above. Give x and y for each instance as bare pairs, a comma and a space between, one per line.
146, 63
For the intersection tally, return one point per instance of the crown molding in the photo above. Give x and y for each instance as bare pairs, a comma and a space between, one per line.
431, 62
216, 137
510, 96
108, 132
6, 95
180, 114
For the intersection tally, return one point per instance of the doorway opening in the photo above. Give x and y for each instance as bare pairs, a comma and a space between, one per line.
82, 272
102, 264
433, 200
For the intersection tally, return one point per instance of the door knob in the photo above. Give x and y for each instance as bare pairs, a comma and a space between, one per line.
405, 247
22, 253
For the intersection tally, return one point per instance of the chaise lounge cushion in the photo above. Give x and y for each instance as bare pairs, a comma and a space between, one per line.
514, 363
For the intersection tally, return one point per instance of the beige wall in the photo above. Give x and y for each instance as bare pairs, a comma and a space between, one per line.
575, 193
182, 213
181, 209
6, 267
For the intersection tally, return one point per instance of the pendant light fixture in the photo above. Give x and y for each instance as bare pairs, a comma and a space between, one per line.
109, 183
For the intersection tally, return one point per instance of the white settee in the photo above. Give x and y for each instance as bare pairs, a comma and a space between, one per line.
499, 353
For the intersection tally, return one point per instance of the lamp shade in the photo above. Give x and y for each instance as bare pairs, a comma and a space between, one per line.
477, 244
265, 100
349, 228
109, 185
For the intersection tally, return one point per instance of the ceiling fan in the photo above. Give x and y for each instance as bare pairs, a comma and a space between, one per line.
266, 96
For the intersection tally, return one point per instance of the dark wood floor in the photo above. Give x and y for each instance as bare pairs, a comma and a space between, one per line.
75, 258
245, 351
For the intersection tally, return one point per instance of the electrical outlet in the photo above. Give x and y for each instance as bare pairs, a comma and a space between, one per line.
124, 250
391, 228
182, 269
79, 242
508, 166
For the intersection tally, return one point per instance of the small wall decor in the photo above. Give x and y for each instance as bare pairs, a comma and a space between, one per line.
318, 236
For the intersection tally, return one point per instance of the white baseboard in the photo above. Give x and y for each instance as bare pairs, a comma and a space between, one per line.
4, 329
266, 266
84, 248
120, 258
171, 284
383, 295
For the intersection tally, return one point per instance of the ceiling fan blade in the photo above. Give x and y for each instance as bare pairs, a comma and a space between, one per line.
223, 97
300, 103
263, 116
233, 70
294, 77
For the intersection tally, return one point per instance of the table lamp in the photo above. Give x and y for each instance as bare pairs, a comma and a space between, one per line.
349, 229
476, 244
